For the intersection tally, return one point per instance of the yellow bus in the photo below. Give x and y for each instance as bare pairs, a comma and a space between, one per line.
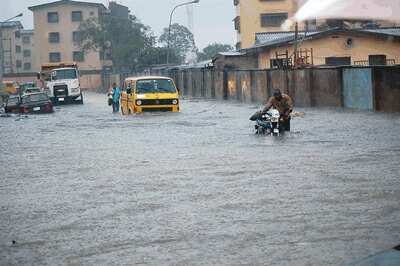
149, 94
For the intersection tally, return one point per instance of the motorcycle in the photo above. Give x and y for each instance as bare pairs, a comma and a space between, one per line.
267, 123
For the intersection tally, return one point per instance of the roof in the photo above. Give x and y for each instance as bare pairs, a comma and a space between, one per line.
233, 53
146, 77
26, 32
66, 2
11, 24
270, 39
387, 31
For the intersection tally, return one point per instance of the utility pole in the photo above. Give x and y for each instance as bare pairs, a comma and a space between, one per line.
296, 39
170, 22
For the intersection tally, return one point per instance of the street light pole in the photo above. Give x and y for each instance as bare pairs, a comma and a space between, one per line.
170, 22
1, 45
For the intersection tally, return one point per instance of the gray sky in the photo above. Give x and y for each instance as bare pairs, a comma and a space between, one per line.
212, 18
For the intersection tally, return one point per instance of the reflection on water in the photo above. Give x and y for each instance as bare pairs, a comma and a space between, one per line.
85, 186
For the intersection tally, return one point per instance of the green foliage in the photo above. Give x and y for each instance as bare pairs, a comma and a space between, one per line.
181, 42
129, 42
211, 50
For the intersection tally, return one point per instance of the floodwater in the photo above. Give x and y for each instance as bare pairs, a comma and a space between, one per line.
84, 186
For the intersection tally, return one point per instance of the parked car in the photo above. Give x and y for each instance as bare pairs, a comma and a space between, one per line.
12, 104
36, 103
29, 87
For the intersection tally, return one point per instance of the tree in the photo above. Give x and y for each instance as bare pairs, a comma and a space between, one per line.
181, 42
129, 43
211, 50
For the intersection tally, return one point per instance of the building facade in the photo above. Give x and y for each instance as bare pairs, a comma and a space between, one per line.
10, 46
259, 16
26, 52
56, 36
253, 16
336, 47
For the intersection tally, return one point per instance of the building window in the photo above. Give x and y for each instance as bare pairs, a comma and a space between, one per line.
237, 23
91, 13
311, 25
76, 15
377, 60
17, 49
17, 34
76, 36
54, 37
338, 61
18, 63
104, 55
78, 56
27, 53
27, 66
26, 40
54, 57
52, 17
273, 19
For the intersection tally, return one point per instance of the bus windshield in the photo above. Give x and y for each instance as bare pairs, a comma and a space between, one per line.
64, 74
155, 86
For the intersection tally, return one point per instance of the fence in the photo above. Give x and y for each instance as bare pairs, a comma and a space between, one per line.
364, 88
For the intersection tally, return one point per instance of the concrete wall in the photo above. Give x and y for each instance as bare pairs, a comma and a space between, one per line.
326, 90
386, 86
376, 88
236, 62
357, 88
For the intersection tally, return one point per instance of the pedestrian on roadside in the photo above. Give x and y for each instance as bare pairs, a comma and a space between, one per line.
116, 94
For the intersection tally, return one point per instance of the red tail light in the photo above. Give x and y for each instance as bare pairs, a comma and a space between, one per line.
24, 110
48, 107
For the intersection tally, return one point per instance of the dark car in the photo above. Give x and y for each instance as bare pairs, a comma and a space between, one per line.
12, 104
36, 103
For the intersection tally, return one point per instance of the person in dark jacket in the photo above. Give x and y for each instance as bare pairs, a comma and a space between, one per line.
116, 94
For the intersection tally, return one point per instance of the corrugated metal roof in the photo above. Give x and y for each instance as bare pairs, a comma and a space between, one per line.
272, 38
387, 31
26, 31
233, 53
10, 24
264, 39
66, 2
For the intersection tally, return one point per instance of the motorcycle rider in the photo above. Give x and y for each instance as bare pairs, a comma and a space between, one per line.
284, 104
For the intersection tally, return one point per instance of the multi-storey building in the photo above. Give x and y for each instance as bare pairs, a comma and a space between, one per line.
24, 48
57, 34
253, 16
10, 47
266, 16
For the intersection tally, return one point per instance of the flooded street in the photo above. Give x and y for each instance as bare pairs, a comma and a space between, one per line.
84, 186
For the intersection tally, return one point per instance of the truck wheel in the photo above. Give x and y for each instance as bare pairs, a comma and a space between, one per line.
81, 99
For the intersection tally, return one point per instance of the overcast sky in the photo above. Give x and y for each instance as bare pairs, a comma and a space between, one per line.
212, 18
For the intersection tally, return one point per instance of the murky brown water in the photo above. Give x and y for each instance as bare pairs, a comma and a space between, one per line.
84, 186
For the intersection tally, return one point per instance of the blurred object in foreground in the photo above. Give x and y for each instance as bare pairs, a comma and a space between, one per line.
388, 10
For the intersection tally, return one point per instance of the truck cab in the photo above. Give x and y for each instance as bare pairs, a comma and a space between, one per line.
61, 82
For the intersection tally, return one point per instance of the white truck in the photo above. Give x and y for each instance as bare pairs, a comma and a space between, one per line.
61, 82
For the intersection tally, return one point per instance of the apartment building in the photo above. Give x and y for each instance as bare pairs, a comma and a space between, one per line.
253, 16
25, 52
266, 16
56, 35
10, 46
